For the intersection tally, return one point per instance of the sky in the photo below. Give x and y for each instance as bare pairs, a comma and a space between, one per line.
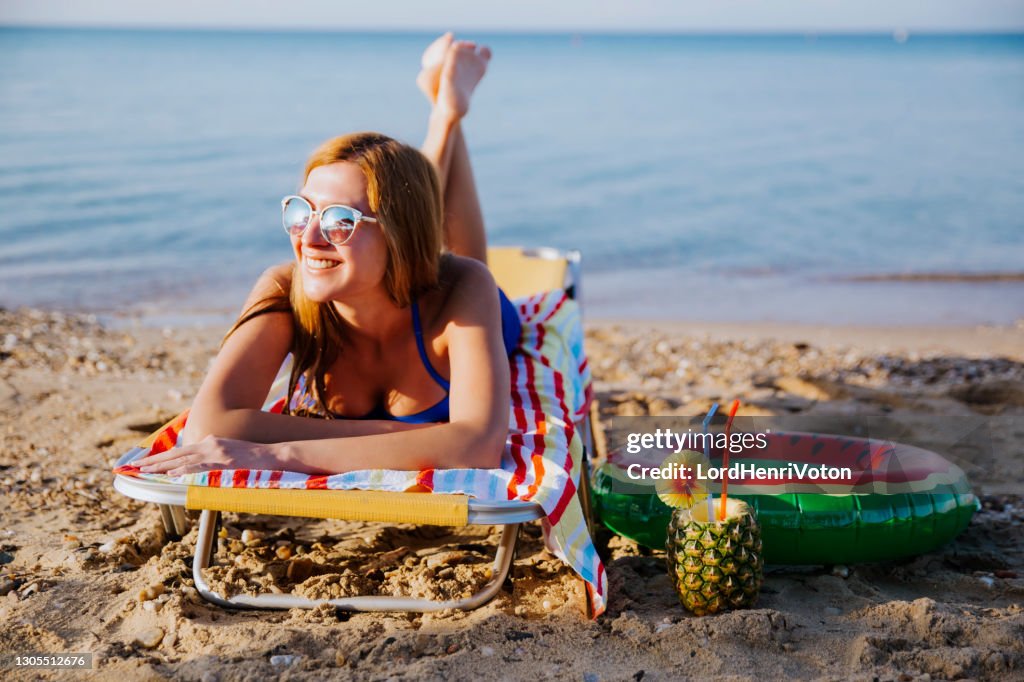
529, 15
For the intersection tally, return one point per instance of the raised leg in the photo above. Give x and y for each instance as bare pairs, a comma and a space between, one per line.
464, 219
451, 71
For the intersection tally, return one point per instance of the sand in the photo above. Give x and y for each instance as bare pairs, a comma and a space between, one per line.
84, 569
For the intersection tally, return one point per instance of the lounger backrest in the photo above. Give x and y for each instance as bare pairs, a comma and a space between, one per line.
522, 272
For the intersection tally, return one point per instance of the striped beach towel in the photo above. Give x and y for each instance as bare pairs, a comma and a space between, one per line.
543, 456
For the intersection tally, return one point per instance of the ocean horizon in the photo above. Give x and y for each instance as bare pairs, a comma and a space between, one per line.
827, 178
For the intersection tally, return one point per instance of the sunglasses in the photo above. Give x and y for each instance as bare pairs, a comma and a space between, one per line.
337, 222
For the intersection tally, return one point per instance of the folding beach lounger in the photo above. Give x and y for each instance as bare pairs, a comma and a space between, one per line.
521, 273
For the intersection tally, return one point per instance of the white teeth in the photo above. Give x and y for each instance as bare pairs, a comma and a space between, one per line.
321, 264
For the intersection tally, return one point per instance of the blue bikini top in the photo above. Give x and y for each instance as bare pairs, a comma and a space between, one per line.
511, 329
435, 413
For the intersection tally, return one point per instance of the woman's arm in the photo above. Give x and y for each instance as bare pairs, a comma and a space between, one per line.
246, 364
474, 436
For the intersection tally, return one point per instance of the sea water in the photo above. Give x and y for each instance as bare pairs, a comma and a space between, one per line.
702, 177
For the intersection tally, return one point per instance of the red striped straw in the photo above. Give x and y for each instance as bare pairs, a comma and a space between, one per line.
725, 458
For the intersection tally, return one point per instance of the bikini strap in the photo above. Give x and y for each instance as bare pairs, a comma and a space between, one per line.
417, 330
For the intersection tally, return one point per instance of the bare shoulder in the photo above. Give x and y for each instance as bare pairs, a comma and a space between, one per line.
282, 272
466, 273
274, 283
466, 296
277, 279
468, 285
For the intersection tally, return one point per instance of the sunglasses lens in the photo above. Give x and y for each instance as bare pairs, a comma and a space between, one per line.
295, 216
338, 224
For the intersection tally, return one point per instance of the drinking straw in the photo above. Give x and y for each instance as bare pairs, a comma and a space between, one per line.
725, 458
707, 455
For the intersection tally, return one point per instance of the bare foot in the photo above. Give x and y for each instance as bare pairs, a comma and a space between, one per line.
430, 66
464, 66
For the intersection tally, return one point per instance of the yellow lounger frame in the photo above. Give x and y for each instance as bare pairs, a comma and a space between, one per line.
519, 272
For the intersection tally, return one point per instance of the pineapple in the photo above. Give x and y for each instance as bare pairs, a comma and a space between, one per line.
718, 565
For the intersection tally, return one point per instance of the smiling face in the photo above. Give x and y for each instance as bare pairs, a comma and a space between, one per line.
387, 180
355, 269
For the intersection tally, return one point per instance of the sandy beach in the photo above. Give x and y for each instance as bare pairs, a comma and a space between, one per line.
84, 569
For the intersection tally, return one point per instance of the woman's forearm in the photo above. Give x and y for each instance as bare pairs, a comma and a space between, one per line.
408, 447
258, 426
440, 446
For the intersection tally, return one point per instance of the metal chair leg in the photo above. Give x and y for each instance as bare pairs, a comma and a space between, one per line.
180, 520
206, 538
168, 520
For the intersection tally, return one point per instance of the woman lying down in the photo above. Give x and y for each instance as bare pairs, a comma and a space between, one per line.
398, 333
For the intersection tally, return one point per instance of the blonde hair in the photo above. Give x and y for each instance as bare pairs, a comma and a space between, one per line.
404, 193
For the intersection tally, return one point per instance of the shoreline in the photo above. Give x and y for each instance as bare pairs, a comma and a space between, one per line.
969, 340
965, 339
1006, 339
948, 333
659, 295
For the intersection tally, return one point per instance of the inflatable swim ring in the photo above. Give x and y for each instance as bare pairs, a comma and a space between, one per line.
902, 500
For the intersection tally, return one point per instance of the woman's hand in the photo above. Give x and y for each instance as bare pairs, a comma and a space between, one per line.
212, 453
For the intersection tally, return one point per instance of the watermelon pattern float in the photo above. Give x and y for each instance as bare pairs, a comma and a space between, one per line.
900, 501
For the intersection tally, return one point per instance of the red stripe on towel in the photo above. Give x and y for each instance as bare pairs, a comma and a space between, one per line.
560, 392
516, 446
567, 463
168, 437
558, 306
516, 392
426, 479
538, 475
316, 483
539, 446
213, 480
516, 450
240, 479
566, 415
563, 502
275, 479
531, 389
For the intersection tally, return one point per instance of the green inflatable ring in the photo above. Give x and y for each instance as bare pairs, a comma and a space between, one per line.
903, 501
